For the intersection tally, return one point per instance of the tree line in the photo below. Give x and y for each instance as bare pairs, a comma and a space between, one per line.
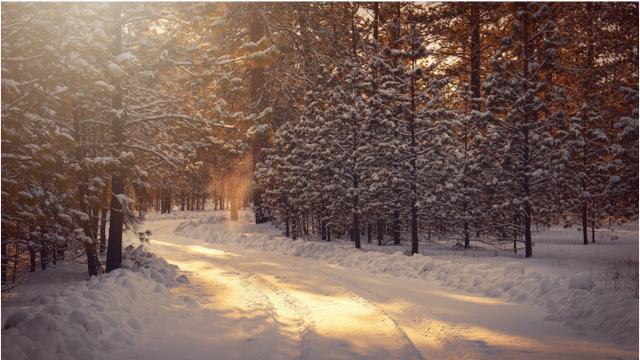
456, 121
453, 120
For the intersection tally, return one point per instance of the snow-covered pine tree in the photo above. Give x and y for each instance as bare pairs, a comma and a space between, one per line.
519, 127
591, 140
623, 183
346, 133
70, 51
587, 143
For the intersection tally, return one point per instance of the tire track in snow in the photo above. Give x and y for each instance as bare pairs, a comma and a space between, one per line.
410, 346
429, 328
259, 288
305, 325
304, 320
412, 351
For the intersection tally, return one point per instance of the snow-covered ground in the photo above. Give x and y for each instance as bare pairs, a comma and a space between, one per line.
57, 314
252, 294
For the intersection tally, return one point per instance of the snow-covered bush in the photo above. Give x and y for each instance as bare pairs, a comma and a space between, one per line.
137, 259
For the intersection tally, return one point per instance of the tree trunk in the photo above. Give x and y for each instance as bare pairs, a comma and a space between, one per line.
414, 152
43, 258
528, 245
5, 261
394, 43
523, 13
157, 196
323, 230
103, 229
475, 55
90, 245
396, 227
414, 229
465, 230
257, 80
162, 200
355, 229
376, 22
286, 224
474, 22
294, 227
586, 87
234, 208
299, 226
95, 222
585, 225
103, 223
114, 249
92, 259
304, 225
32, 259
169, 201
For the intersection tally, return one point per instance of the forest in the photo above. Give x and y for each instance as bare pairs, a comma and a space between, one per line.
392, 123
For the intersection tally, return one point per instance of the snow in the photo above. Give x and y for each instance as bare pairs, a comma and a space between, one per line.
243, 291
582, 281
86, 318
105, 86
574, 300
11, 84
115, 69
127, 58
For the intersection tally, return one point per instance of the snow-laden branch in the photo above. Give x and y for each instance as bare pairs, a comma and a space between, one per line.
153, 152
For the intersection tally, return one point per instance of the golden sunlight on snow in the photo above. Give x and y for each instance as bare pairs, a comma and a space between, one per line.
300, 306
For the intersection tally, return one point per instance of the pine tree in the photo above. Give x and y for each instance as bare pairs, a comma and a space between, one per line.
519, 128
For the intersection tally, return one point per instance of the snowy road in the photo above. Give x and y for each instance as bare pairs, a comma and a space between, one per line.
260, 305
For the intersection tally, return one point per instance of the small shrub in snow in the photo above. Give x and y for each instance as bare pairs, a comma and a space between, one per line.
137, 259
144, 236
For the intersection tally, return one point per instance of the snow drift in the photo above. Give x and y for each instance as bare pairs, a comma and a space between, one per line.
92, 316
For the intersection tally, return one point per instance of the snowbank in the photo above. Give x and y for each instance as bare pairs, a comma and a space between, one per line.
153, 267
93, 316
576, 301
